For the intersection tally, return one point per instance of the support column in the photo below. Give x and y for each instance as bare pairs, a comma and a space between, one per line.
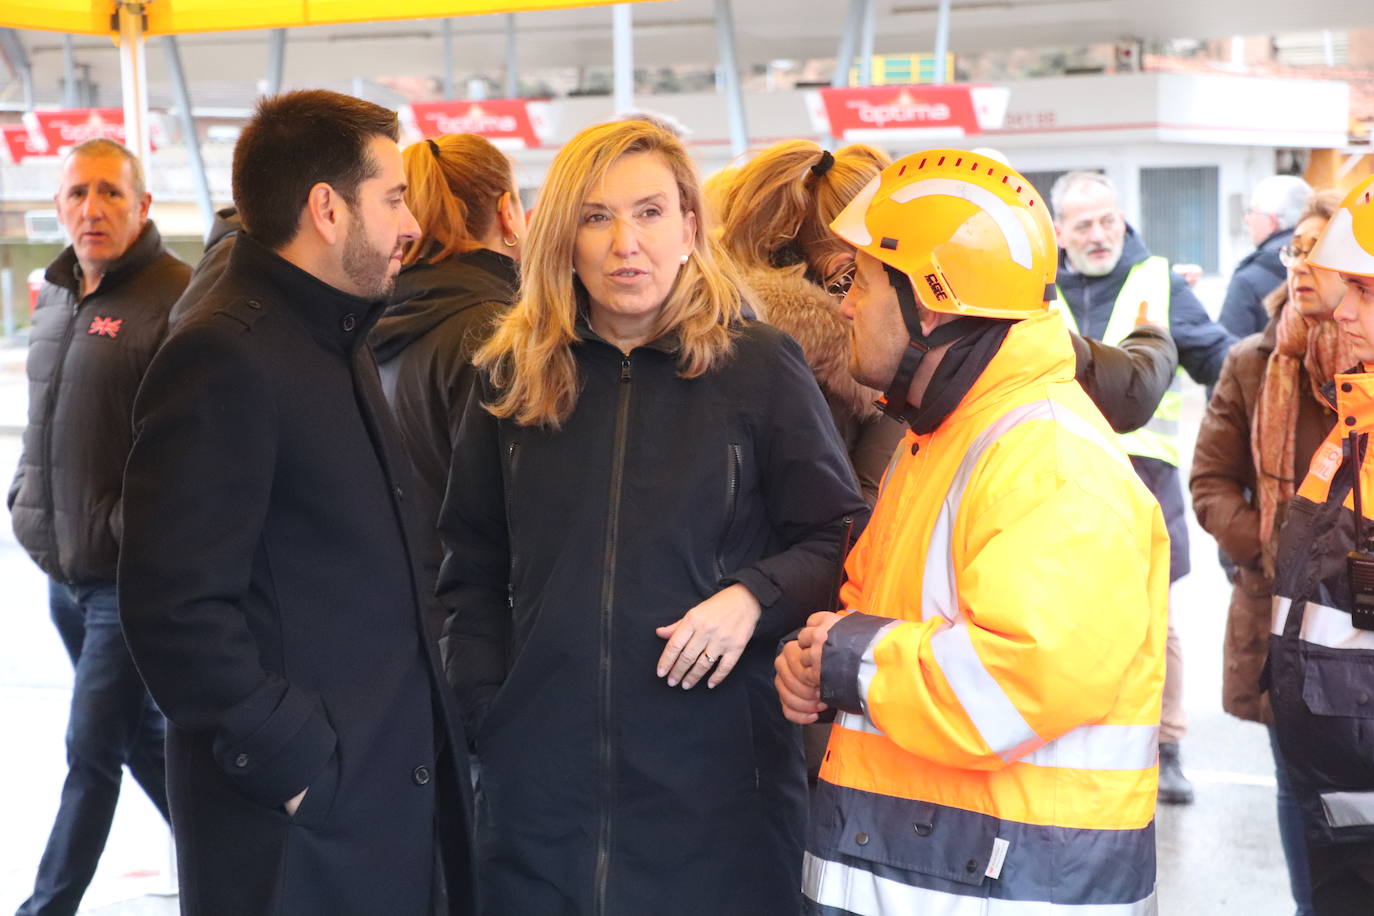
866, 38
512, 59
133, 74
188, 129
446, 30
849, 38
730, 83
623, 56
941, 42
69, 96
13, 49
276, 60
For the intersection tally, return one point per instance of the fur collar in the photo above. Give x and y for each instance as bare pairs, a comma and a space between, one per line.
811, 317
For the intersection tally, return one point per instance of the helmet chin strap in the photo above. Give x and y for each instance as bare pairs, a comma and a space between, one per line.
894, 402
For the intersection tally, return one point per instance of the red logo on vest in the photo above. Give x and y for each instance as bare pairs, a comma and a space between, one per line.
105, 327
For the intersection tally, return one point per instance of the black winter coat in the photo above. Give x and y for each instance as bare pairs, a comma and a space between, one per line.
602, 789
424, 343
218, 244
87, 356
1257, 275
268, 594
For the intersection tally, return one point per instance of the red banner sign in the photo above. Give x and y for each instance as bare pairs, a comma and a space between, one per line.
18, 144
887, 112
59, 130
507, 123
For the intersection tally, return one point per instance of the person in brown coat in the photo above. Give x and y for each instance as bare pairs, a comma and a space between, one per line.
1266, 418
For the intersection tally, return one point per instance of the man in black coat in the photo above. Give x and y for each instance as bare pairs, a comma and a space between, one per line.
1275, 205
100, 317
268, 586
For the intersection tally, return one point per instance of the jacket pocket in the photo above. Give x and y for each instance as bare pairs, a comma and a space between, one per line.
1335, 727
734, 470
319, 799
924, 838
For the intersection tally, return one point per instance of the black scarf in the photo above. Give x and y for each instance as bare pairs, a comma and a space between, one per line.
960, 367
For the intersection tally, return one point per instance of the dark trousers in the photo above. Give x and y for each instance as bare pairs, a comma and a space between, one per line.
113, 723
1342, 879
1291, 833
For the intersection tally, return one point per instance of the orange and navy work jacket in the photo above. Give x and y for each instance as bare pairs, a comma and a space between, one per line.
1321, 648
999, 679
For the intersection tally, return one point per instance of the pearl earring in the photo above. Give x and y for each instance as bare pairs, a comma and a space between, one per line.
686, 258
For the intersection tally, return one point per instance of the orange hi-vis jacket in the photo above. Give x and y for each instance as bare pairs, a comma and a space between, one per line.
999, 680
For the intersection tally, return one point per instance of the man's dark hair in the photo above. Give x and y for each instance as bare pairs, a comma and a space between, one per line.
293, 142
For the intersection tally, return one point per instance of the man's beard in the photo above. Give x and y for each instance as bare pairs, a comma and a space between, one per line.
1093, 268
369, 268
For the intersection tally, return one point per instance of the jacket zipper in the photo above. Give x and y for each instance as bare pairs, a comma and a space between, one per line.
49, 414
731, 504
603, 839
512, 457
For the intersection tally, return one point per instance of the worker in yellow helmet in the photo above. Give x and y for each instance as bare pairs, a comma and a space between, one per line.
1321, 651
997, 676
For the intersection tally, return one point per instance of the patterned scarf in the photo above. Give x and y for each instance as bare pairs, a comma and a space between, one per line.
1301, 343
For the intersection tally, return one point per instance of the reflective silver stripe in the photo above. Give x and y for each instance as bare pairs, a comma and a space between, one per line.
1348, 809
938, 586
1329, 626
1323, 626
868, 665
1163, 427
859, 891
938, 589
857, 723
1280, 614
997, 719
1100, 747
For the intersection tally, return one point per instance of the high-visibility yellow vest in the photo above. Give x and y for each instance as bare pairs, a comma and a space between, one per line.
1147, 286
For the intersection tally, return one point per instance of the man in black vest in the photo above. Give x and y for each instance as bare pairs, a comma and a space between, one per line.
100, 316
268, 585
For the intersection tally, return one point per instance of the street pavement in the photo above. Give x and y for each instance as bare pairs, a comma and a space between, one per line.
1218, 856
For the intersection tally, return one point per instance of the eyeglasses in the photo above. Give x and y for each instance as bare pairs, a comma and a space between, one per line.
1292, 255
839, 287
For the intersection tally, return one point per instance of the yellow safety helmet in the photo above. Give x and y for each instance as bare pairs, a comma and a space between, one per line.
1347, 244
971, 233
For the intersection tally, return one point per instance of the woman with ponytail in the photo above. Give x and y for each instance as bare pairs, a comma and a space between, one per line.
776, 225
459, 276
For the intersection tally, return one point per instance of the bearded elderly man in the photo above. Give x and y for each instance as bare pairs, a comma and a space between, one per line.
1108, 282
100, 316
268, 586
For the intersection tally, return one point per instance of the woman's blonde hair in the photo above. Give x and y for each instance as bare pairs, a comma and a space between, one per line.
529, 358
780, 204
453, 186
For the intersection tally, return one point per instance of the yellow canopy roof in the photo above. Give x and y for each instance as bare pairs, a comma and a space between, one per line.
171, 17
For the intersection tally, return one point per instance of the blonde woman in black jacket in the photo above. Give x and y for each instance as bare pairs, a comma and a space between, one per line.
647, 494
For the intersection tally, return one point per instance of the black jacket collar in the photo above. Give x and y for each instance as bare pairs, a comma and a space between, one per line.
145, 249
427, 295
336, 319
